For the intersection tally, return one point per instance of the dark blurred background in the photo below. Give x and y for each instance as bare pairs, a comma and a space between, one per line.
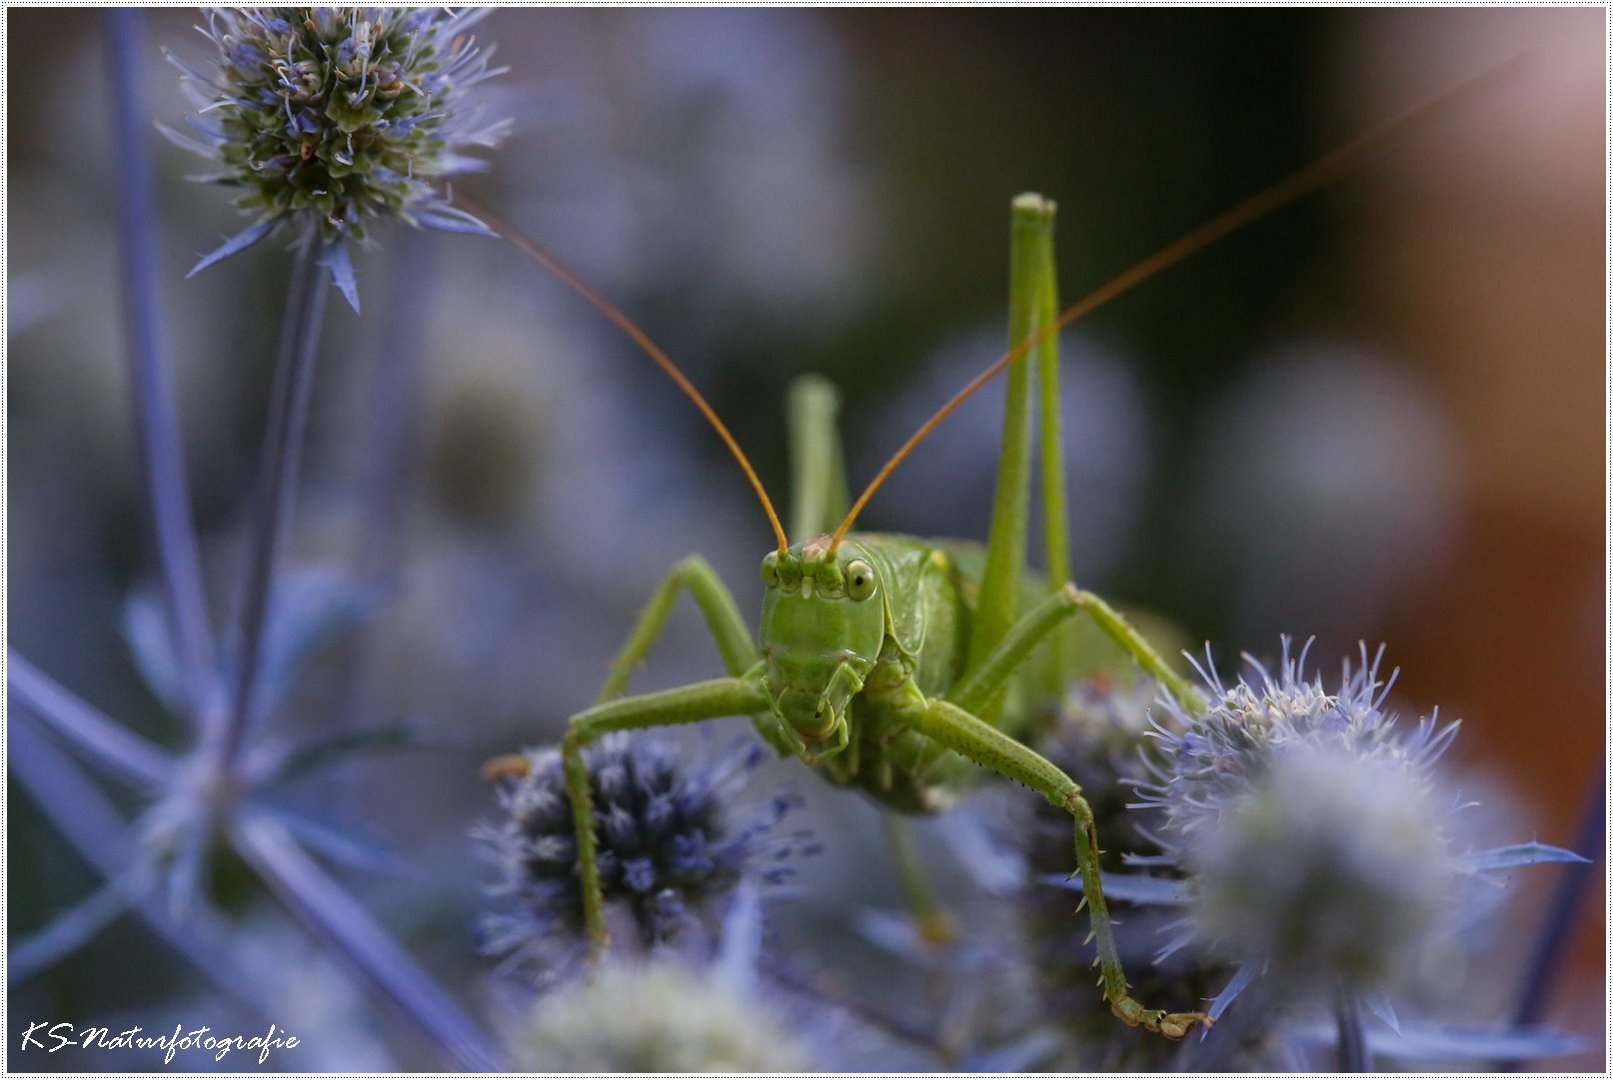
1377, 415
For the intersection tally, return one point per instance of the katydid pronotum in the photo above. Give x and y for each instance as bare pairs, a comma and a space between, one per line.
900, 666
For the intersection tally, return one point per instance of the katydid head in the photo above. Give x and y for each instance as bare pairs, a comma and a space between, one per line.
823, 625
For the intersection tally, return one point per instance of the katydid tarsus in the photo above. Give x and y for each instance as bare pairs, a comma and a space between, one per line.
900, 666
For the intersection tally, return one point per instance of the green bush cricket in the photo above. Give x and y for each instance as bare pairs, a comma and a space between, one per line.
902, 666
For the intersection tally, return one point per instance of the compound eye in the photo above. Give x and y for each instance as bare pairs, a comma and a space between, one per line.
770, 570
859, 580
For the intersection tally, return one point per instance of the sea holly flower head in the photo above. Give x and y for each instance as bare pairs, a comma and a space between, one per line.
1207, 760
339, 115
663, 1015
1305, 837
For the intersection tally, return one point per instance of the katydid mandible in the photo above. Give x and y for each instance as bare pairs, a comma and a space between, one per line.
896, 665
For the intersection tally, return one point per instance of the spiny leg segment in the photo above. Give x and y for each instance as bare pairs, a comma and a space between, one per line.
977, 740
1003, 643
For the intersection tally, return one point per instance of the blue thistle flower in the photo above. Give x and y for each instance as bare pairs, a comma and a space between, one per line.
1307, 838
675, 839
342, 115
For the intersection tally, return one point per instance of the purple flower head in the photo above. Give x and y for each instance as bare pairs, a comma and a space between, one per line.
675, 838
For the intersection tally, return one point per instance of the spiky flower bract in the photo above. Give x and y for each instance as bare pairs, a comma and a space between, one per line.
675, 837
344, 115
1308, 838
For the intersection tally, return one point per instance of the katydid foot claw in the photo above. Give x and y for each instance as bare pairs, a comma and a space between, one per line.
1170, 1025
937, 930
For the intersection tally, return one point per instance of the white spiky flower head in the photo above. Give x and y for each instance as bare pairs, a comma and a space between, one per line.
670, 1012
662, 1016
1330, 868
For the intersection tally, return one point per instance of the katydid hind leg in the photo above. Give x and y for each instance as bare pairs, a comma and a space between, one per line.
1050, 433
1031, 238
818, 488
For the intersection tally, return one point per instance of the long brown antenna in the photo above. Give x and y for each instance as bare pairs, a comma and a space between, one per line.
531, 249
1316, 175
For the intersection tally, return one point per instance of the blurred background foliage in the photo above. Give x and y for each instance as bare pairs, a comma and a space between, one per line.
1376, 415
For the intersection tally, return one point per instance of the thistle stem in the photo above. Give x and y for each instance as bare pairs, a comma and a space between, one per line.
1565, 906
391, 381
93, 828
1353, 1053
98, 737
282, 457
333, 915
155, 417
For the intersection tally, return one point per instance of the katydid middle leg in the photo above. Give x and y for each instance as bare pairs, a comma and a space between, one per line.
930, 919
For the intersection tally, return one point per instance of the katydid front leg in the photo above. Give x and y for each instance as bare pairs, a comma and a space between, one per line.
728, 630
690, 704
977, 740
740, 694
